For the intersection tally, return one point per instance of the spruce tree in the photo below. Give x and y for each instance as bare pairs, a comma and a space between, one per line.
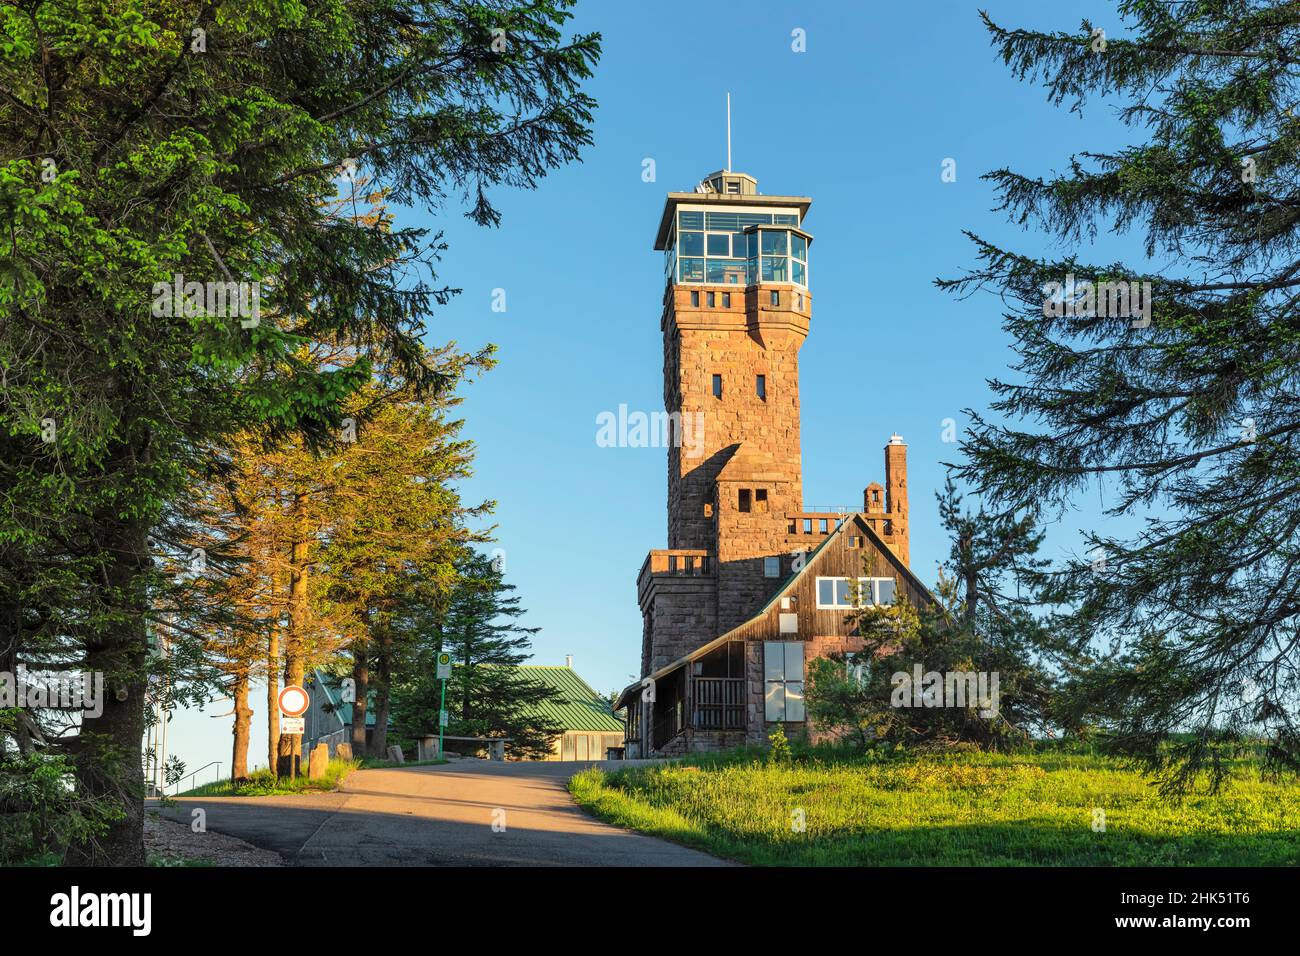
487, 695
149, 144
1186, 414
985, 619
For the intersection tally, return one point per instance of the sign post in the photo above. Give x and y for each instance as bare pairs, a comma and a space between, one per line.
294, 702
444, 672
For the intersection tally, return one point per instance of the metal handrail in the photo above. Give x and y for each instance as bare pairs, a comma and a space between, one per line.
213, 763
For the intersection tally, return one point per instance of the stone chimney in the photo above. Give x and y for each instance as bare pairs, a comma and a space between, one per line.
896, 494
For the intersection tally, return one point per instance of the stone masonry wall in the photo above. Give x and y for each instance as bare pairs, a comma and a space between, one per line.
682, 616
749, 441
700, 342
814, 647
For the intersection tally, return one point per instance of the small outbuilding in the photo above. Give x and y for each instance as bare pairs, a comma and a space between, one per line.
590, 727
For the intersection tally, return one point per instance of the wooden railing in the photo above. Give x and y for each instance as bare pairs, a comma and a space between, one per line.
813, 522
685, 561
677, 562
719, 703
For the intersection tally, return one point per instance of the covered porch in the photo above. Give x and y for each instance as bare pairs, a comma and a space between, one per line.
696, 703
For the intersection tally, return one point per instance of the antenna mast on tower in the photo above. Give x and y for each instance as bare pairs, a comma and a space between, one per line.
728, 132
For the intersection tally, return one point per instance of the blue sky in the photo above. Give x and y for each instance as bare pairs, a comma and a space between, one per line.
861, 122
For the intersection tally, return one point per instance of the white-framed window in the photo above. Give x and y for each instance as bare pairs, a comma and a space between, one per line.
783, 681
834, 594
771, 567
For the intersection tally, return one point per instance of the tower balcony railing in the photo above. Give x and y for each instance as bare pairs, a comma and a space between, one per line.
818, 523
674, 563
687, 562
822, 520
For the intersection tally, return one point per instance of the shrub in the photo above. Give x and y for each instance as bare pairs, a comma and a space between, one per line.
779, 753
42, 811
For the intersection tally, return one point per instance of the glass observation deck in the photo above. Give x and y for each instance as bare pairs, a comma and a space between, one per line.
735, 248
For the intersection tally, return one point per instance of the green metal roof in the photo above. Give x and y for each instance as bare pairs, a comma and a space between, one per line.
579, 707
342, 710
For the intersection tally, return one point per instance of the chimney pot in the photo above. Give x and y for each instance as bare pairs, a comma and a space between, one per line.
568, 661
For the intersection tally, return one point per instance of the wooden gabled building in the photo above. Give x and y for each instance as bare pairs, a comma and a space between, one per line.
751, 586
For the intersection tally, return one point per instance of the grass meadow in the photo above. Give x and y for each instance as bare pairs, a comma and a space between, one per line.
264, 783
969, 809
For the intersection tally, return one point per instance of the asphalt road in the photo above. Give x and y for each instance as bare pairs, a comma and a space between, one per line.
466, 813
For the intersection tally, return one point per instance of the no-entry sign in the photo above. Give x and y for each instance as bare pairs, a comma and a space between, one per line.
294, 701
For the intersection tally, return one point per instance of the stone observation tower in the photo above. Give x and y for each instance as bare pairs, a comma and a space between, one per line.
736, 310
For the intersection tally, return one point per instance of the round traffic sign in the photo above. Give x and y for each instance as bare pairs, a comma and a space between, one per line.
444, 658
294, 701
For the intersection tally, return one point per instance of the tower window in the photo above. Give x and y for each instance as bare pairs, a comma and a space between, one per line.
726, 300
800, 298
717, 386
776, 297
711, 298
760, 500
744, 504
760, 386
695, 298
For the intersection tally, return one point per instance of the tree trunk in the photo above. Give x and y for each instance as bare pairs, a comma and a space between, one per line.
361, 678
379, 744
464, 684
273, 699
243, 725
290, 752
972, 598
108, 748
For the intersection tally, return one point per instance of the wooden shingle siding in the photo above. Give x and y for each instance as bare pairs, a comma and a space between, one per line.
824, 632
835, 559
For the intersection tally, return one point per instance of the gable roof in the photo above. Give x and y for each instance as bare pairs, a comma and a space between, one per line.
579, 707
858, 519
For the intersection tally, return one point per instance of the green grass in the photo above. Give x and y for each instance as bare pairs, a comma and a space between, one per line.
970, 809
263, 783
